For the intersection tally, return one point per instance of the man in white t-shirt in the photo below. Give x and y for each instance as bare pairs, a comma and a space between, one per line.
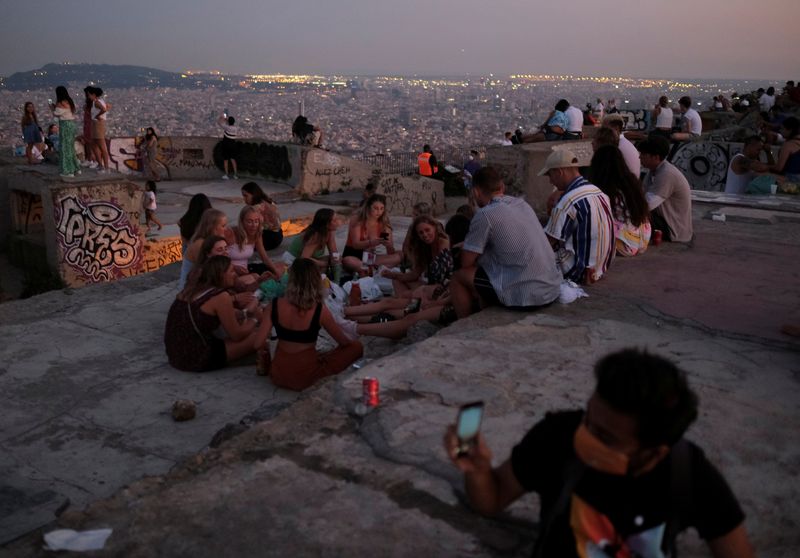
574, 123
629, 152
767, 100
691, 124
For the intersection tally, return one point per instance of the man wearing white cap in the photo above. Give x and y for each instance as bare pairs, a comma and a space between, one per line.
581, 227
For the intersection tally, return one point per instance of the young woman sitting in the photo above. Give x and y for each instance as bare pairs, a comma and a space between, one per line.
631, 214
212, 223
198, 312
297, 318
244, 239
271, 235
369, 229
430, 251
319, 235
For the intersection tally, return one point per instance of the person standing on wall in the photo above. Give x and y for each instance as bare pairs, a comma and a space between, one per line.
428, 165
64, 111
229, 146
100, 110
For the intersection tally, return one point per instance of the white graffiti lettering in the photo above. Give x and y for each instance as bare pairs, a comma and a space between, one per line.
96, 237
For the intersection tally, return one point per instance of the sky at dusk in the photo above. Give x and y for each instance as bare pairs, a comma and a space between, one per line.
676, 38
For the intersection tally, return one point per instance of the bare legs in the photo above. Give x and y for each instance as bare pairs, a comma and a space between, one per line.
462, 291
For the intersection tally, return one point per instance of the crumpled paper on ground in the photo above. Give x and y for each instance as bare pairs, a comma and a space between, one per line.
76, 541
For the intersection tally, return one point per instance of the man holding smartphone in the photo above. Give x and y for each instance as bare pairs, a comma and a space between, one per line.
617, 479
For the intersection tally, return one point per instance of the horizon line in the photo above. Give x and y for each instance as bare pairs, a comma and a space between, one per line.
373, 73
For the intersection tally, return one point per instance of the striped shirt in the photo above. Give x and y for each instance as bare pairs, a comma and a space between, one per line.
583, 224
514, 253
229, 131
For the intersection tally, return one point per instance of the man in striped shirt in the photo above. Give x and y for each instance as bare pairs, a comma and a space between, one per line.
581, 227
505, 259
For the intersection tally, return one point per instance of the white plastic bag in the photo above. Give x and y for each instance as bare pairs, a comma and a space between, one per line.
370, 291
570, 292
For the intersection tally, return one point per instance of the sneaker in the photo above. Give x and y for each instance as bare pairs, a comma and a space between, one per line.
67, 175
92, 164
224, 177
235, 177
86, 163
102, 171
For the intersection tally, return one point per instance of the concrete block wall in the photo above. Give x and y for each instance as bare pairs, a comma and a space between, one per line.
308, 170
404, 192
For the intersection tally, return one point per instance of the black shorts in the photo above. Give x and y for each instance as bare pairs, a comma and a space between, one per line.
349, 251
485, 289
229, 149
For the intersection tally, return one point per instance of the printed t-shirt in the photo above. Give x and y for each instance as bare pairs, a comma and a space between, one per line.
625, 512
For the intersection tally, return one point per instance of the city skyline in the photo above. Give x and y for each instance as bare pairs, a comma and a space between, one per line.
694, 40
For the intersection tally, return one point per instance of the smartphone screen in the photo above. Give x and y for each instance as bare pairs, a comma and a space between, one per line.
468, 425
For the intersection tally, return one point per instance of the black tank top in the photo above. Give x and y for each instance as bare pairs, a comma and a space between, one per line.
306, 336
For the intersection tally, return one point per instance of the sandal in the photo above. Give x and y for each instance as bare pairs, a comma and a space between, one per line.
381, 318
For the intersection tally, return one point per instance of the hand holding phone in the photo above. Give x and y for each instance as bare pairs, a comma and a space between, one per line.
468, 426
385, 235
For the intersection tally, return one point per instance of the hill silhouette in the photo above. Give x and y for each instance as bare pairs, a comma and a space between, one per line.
108, 75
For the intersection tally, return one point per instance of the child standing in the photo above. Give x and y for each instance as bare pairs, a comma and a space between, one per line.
31, 132
150, 206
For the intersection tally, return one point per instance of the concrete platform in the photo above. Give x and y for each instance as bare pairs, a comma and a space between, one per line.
87, 389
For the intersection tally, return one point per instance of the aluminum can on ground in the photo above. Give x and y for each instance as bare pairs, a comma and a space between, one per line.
371, 392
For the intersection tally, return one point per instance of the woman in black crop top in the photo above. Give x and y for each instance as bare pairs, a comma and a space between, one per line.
298, 317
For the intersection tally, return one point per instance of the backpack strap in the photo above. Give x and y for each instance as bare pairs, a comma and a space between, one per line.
573, 473
680, 495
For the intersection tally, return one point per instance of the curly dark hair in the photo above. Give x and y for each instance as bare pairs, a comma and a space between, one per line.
652, 390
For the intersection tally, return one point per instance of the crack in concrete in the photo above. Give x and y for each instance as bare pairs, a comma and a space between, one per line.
503, 535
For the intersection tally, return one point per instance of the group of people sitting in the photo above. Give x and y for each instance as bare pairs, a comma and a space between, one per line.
207, 324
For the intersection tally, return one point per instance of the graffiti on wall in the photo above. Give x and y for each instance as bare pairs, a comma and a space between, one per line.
402, 193
158, 253
27, 210
126, 157
96, 238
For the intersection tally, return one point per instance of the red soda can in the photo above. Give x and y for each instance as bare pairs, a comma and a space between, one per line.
657, 235
371, 392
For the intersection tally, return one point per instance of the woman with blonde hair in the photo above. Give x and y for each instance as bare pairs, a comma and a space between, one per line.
369, 229
244, 240
297, 317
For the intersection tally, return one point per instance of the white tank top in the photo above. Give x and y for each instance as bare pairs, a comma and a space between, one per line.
664, 119
737, 183
96, 111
